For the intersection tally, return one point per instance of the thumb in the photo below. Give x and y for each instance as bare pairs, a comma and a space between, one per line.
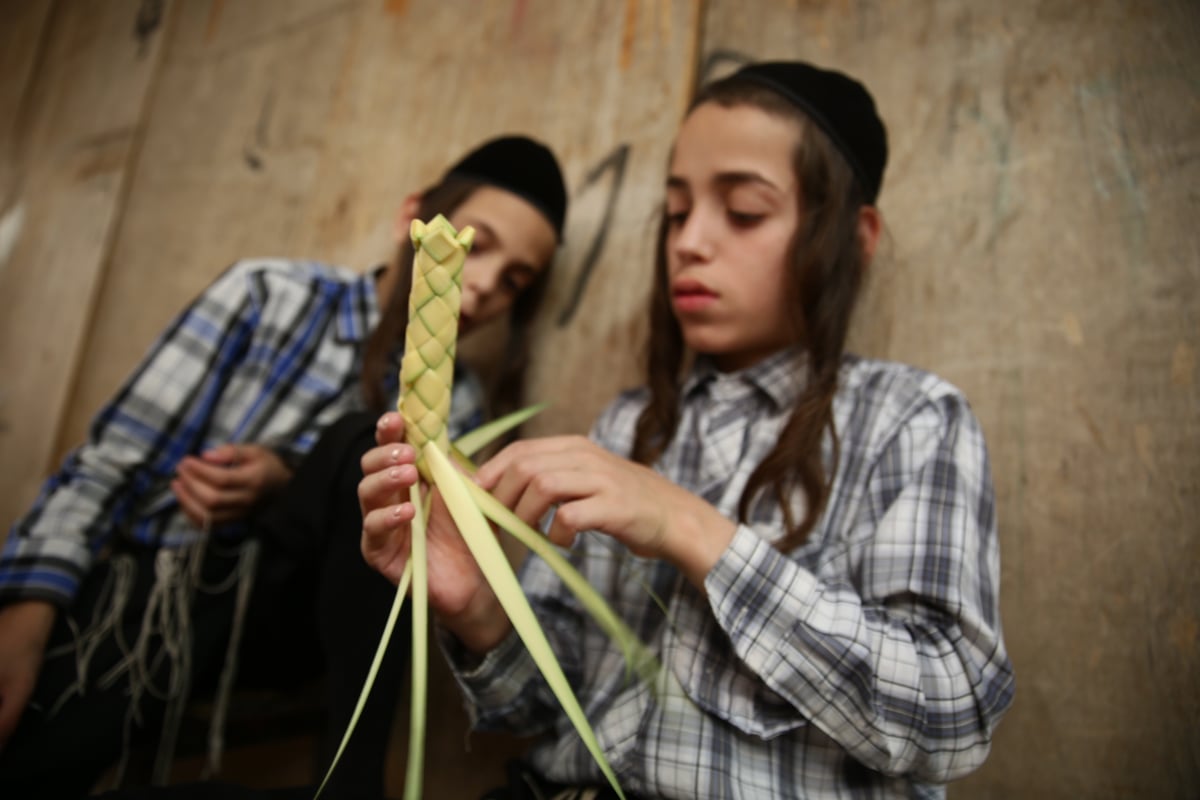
226, 455
390, 429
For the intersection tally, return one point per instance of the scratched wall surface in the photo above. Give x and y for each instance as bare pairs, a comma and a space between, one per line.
296, 128
1041, 200
1043, 256
75, 77
299, 130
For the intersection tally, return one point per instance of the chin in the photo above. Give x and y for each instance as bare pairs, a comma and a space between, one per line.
701, 344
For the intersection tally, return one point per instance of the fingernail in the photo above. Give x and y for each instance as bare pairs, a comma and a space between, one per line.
397, 512
393, 474
395, 454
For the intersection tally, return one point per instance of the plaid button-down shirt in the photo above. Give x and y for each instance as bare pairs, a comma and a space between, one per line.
270, 354
869, 662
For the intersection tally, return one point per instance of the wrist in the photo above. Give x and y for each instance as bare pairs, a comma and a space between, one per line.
34, 617
481, 626
698, 539
288, 458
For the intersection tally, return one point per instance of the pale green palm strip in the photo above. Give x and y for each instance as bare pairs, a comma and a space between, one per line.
638, 658
420, 652
397, 603
471, 443
491, 559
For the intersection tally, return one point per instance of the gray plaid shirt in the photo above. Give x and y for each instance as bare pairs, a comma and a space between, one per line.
869, 662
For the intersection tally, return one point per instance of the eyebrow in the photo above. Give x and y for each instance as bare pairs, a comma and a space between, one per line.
727, 180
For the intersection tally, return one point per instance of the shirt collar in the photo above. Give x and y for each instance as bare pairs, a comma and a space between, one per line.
358, 309
780, 377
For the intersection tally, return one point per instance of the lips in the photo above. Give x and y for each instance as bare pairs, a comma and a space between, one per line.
688, 294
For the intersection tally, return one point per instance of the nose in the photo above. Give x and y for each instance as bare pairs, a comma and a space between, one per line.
469, 303
693, 240
480, 279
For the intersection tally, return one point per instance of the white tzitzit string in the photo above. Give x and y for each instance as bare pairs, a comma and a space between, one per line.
106, 620
244, 576
168, 618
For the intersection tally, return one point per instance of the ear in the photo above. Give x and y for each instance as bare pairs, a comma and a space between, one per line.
870, 227
405, 216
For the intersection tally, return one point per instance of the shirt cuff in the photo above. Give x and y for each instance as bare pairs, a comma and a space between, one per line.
494, 681
758, 595
47, 570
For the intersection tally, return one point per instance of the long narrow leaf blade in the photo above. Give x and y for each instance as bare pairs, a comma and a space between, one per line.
471, 443
499, 573
637, 656
420, 653
384, 639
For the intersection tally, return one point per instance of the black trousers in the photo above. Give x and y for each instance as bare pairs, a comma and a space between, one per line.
315, 608
522, 783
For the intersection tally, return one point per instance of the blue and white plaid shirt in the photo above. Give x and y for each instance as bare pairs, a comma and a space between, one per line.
869, 662
270, 353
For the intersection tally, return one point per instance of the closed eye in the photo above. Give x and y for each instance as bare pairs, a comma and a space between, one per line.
511, 284
743, 219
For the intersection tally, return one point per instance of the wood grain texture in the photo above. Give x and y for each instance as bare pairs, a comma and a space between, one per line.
1041, 203
234, 139
22, 45
79, 77
300, 136
297, 128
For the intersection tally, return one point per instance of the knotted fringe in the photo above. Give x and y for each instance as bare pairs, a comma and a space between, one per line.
177, 577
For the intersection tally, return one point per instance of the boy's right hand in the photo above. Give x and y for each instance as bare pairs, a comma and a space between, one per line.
225, 483
24, 631
459, 594
389, 474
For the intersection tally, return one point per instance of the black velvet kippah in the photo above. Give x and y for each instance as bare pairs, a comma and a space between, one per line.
840, 105
524, 167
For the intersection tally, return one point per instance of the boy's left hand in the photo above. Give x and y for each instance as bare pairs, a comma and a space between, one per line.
596, 490
223, 484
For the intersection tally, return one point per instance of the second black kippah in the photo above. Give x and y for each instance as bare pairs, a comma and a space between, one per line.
839, 104
524, 167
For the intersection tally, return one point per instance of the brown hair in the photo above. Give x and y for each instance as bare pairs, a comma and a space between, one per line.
828, 265
383, 347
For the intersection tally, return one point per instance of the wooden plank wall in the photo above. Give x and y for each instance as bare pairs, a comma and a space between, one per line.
75, 82
1040, 202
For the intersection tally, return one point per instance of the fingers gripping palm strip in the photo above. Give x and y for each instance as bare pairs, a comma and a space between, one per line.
426, 380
